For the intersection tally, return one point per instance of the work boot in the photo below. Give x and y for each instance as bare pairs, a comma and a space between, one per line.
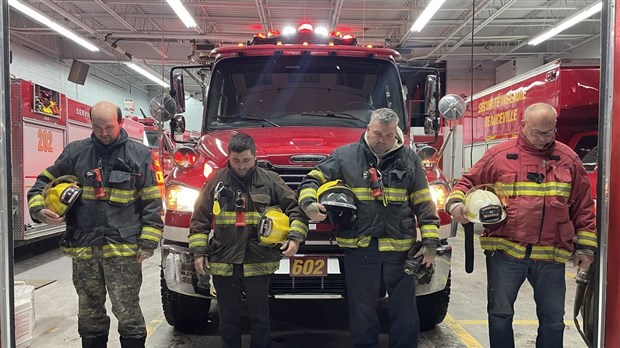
133, 342
95, 342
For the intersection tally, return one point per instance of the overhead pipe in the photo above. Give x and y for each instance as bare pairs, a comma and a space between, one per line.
477, 29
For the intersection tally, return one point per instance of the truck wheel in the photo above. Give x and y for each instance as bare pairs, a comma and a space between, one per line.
185, 313
433, 308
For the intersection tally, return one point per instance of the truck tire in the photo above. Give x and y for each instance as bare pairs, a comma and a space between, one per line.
185, 313
433, 308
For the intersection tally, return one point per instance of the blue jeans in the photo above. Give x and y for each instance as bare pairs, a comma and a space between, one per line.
505, 275
364, 268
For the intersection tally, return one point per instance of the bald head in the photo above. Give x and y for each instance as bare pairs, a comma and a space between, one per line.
106, 118
539, 121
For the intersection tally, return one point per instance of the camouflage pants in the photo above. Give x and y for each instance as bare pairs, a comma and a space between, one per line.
122, 277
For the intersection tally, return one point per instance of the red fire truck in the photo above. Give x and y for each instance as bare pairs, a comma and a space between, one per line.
572, 87
299, 95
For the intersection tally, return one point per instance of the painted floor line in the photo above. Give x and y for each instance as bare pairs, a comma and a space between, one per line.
153, 324
468, 340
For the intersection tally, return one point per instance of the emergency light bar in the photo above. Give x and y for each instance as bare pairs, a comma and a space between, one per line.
304, 35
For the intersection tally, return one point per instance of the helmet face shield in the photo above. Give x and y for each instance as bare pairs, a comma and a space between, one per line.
485, 204
340, 202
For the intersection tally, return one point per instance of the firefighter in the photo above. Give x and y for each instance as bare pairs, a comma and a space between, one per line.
391, 188
232, 200
549, 218
112, 227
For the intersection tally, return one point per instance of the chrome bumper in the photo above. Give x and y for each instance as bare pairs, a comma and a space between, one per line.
178, 267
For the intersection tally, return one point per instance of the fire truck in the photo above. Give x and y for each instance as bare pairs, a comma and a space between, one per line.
299, 94
495, 114
43, 121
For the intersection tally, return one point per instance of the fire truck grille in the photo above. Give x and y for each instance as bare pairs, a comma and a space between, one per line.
285, 284
292, 175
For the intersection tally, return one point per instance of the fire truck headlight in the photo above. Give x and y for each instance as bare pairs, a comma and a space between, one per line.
180, 198
439, 193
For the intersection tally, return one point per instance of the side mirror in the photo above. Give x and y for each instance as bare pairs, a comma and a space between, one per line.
177, 127
431, 91
162, 107
452, 107
177, 91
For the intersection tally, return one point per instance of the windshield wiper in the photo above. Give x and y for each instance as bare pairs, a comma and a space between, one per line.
333, 114
250, 118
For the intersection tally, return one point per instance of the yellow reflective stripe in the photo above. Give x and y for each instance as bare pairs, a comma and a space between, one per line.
307, 192
525, 188
299, 226
263, 268
88, 192
420, 196
122, 196
318, 175
363, 242
110, 250
48, 175
429, 231
151, 233
152, 192
392, 244
395, 194
198, 240
230, 218
544, 253
81, 253
220, 269
36, 201
362, 193
587, 238
458, 195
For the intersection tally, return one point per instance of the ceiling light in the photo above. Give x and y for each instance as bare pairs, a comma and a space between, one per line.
568, 22
48, 22
427, 14
147, 74
182, 13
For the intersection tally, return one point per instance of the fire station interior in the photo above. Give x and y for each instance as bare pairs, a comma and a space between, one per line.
66, 55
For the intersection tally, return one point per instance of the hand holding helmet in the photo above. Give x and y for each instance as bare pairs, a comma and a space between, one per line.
339, 202
273, 227
59, 195
483, 204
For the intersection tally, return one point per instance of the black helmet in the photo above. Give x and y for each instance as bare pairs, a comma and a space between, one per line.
339, 201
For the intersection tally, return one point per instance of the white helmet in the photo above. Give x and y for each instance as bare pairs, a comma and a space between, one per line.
483, 206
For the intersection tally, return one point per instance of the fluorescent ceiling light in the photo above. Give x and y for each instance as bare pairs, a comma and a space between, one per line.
147, 74
426, 15
48, 22
568, 22
182, 13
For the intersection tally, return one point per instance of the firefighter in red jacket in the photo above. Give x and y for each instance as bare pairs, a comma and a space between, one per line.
550, 217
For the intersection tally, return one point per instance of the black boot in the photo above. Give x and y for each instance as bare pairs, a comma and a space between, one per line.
133, 342
95, 342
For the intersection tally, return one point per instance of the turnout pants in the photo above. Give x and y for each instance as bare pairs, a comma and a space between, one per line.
364, 268
229, 298
505, 275
122, 278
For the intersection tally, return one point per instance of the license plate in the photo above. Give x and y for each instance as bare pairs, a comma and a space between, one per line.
308, 266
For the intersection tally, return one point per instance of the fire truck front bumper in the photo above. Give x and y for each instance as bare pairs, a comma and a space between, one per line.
178, 270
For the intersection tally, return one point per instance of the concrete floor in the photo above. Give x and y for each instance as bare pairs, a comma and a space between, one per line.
296, 323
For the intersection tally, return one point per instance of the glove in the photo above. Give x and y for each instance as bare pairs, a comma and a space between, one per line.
313, 211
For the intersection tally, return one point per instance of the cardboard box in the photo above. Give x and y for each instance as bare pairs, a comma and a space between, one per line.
24, 314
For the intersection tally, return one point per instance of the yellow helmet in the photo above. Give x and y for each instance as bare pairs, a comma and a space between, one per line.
60, 194
484, 204
339, 200
273, 227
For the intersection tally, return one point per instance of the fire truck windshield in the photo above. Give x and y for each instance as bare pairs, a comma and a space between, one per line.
302, 90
